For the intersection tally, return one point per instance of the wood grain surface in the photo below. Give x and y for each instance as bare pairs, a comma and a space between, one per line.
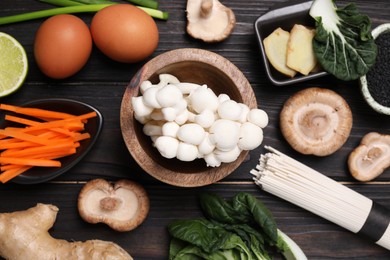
102, 83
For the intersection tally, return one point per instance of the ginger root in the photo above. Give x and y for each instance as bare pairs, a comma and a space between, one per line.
24, 235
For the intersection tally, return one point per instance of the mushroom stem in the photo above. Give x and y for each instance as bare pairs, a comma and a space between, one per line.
109, 204
206, 7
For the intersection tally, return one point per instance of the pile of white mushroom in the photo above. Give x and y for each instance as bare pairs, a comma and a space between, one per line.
188, 121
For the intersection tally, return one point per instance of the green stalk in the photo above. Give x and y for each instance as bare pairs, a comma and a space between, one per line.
72, 9
61, 2
50, 12
145, 3
95, 2
155, 13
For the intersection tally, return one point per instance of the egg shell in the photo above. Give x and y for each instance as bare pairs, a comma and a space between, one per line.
124, 33
62, 46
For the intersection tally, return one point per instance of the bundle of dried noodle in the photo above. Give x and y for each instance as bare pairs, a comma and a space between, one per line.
295, 182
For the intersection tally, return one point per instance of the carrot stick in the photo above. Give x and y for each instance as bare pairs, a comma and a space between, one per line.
36, 112
59, 123
12, 173
13, 145
30, 161
81, 137
21, 120
38, 150
28, 122
25, 136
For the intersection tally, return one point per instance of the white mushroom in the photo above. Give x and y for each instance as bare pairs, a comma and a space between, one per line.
258, 117
152, 128
157, 115
230, 110
168, 95
187, 88
251, 136
228, 156
167, 146
182, 117
211, 160
145, 85
225, 134
191, 133
209, 20
205, 119
203, 98
222, 98
244, 113
206, 146
166, 79
169, 113
170, 129
187, 152
150, 97
140, 109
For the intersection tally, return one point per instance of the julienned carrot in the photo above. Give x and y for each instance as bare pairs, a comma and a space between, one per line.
30, 162
36, 112
28, 122
12, 173
30, 151
60, 123
43, 138
25, 136
20, 145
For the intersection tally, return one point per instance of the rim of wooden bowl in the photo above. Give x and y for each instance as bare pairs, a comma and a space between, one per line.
145, 154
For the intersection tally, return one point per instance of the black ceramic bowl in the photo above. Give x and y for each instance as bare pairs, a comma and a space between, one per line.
93, 127
284, 17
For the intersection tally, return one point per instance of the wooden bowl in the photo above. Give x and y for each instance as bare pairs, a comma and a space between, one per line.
188, 65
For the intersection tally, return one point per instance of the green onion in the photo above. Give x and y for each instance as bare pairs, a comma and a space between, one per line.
70, 6
95, 2
50, 12
155, 13
61, 2
145, 3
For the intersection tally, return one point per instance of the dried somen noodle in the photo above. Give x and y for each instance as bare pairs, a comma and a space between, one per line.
303, 186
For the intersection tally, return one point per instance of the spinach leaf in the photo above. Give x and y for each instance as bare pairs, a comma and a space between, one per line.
343, 43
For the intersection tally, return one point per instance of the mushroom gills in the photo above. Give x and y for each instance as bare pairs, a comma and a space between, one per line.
371, 157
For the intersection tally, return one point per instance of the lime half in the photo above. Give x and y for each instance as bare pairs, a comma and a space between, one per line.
13, 64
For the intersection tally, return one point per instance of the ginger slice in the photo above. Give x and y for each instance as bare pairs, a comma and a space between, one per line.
300, 54
275, 47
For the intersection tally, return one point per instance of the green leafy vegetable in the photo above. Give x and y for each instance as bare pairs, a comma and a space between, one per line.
343, 43
240, 228
243, 208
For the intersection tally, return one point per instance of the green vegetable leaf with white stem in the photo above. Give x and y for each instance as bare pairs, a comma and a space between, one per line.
343, 43
291, 251
243, 208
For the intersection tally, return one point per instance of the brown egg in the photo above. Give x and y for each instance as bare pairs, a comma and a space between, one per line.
124, 33
62, 46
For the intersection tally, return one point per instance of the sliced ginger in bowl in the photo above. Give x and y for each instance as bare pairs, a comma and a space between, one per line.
291, 52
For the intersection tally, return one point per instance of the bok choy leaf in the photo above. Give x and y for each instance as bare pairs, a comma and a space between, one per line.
343, 43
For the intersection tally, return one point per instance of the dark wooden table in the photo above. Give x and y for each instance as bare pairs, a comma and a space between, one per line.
102, 82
